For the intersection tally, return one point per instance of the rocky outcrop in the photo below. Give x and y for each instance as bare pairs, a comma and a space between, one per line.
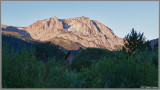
79, 30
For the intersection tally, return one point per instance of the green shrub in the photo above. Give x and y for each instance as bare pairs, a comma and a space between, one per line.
86, 57
99, 69
56, 76
155, 55
47, 50
20, 70
121, 71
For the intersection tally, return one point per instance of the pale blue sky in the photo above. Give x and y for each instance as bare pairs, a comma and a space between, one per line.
120, 16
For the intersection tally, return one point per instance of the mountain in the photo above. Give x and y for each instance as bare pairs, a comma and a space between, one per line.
20, 30
153, 42
70, 33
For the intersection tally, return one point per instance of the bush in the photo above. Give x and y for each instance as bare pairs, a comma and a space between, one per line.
47, 50
155, 55
56, 76
24, 70
119, 72
98, 68
20, 70
142, 56
86, 57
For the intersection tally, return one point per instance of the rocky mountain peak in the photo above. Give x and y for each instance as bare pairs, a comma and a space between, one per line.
55, 17
79, 30
87, 32
3, 26
82, 18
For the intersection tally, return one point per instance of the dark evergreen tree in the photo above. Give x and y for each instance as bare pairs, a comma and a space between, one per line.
134, 41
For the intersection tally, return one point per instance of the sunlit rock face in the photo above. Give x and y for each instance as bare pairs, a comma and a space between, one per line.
81, 30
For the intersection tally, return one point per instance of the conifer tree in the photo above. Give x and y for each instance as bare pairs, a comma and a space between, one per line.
134, 41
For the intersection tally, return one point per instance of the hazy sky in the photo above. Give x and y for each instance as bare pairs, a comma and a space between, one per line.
120, 16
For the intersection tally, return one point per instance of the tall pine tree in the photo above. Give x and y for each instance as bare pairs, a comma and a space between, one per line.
134, 41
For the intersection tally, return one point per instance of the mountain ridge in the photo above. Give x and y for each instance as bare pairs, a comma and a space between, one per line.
87, 32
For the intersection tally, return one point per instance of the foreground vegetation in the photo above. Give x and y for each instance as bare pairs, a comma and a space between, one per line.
43, 66
102, 70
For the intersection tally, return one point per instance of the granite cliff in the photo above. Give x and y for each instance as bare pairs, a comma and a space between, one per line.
70, 33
